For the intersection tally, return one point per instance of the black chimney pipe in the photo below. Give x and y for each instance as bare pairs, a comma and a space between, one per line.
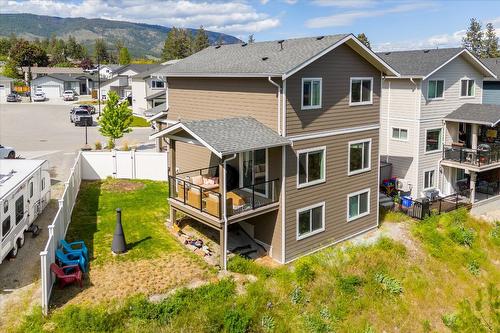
119, 245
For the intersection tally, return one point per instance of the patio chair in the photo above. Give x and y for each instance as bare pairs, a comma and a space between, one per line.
67, 274
77, 248
67, 259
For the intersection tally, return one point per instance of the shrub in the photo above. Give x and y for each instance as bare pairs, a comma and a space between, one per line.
495, 234
267, 323
111, 144
388, 283
304, 272
473, 267
316, 324
461, 235
82, 319
238, 264
297, 296
236, 320
349, 283
98, 145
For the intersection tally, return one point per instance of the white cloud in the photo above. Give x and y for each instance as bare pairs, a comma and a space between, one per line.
345, 3
223, 15
290, 2
348, 18
264, 1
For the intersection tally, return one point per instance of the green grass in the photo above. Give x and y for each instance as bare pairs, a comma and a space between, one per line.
140, 122
144, 211
375, 288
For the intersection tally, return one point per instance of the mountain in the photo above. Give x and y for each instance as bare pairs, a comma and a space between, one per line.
141, 39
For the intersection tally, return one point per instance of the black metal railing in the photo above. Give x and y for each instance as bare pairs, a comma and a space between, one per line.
198, 171
253, 196
477, 157
422, 208
487, 189
195, 196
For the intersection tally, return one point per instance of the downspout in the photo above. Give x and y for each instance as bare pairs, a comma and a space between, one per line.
388, 123
279, 102
224, 211
417, 122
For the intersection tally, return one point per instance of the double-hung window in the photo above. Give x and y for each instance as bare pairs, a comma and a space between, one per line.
311, 93
435, 90
429, 181
310, 220
311, 166
157, 84
467, 88
400, 133
358, 204
433, 140
361, 91
359, 156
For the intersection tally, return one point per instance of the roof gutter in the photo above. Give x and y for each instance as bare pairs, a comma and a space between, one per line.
279, 102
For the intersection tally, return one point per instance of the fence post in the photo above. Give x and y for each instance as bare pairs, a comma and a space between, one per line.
114, 163
134, 164
45, 291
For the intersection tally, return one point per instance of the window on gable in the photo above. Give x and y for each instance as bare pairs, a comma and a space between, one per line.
399, 133
311, 93
361, 91
467, 88
310, 220
311, 166
435, 89
359, 156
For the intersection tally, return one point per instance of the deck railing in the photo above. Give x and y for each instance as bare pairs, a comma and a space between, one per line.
195, 196
423, 208
477, 157
253, 196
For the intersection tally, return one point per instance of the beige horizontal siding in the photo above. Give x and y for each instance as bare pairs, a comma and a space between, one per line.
336, 68
216, 98
333, 192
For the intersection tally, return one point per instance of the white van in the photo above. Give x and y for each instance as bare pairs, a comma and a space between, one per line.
24, 193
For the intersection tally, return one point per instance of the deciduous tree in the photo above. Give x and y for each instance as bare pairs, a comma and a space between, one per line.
23, 53
115, 119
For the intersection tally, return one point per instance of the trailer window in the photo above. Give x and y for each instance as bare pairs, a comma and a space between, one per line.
43, 184
5, 206
19, 209
5, 227
31, 190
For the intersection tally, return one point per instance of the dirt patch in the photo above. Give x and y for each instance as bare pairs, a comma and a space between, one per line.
120, 280
121, 186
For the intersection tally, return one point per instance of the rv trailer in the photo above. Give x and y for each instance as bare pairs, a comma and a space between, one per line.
24, 193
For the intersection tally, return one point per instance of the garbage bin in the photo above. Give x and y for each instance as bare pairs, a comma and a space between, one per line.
406, 201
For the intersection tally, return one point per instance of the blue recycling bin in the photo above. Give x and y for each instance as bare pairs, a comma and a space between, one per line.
406, 202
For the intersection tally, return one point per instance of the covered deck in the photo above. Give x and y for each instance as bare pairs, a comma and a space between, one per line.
242, 181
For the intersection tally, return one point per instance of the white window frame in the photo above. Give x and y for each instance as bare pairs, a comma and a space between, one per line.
467, 89
399, 130
312, 232
306, 151
153, 82
351, 103
355, 172
366, 190
311, 107
436, 98
440, 140
434, 179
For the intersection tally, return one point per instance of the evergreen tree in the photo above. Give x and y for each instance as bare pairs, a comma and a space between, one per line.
4, 47
115, 119
363, 39
75, 50
58, 52
177, 45
490, 43
251, 39
124, 56
473, 39
201, 40
100, 51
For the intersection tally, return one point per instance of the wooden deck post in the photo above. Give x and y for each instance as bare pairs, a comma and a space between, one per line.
172, 172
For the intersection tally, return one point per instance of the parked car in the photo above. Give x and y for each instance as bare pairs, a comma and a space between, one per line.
80, 116
69, 95
39, 97
88, 107
7, 152
13, 97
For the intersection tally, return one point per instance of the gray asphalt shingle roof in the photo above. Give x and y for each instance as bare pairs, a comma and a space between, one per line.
246, 58
493, 64
485, 114
62, 77
418, 62
232, 135
138, 68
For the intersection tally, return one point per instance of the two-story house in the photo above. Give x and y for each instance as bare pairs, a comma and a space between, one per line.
491, 86
423, 123
281, 137
121, 80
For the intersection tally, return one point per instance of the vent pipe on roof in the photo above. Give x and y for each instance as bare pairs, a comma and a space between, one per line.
281, 43
265, 58
426, 51
320, 37
244, 44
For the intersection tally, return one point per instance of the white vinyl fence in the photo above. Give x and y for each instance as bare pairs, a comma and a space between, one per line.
94, 166
124, 164
58, 229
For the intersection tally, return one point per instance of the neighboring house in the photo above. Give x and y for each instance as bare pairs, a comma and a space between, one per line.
491, 86
121, 81
6, 87
53, 85
41, 71
283, 138
424, 126
107, 71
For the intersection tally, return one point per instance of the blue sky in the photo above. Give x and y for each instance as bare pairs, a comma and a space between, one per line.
388, 24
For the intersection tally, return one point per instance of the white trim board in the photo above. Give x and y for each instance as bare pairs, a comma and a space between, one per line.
333, 132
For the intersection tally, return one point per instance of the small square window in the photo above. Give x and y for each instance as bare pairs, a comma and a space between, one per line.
361, 91
359, 156
310, 220
433, 140
467, 88
435, 89
155, 84
400, 134
311, 166
311, 93
358, 205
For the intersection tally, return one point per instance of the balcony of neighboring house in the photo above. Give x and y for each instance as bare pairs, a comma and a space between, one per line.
239, 179
471, 155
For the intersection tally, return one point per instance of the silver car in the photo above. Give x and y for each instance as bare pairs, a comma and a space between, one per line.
39, 97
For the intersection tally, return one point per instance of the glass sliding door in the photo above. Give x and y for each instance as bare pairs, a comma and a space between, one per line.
253, 170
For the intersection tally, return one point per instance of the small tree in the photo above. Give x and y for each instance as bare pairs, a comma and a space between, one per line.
115, 119
473, 39
363, 39
124, 56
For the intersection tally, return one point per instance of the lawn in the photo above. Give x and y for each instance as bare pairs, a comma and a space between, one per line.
432, 280
139, 122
